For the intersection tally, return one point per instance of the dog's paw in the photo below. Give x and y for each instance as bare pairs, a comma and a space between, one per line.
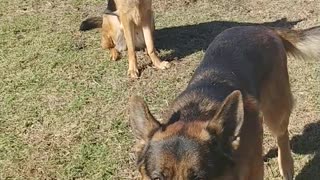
133, 73
114, 58
164, 65
115, 55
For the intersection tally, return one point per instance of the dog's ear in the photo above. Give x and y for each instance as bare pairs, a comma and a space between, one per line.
229, 119
141, 120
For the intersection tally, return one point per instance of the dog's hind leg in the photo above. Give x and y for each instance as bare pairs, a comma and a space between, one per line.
276, 104
107, 43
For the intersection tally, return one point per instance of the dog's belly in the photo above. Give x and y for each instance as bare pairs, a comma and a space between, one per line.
139, 39
121, 44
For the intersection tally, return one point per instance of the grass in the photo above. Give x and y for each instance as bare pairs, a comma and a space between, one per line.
63, 103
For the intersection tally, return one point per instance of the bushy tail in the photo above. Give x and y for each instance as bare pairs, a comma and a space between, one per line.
301, 43
91, 23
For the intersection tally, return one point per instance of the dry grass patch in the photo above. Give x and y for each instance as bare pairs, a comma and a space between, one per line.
63, 103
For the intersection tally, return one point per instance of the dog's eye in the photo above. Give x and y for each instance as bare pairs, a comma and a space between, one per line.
197, 178
157, 176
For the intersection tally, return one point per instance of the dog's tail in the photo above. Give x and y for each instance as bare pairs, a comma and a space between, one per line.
301, 43
91, 23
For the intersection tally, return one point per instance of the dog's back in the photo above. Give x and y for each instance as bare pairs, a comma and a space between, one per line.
239, 58
243, 58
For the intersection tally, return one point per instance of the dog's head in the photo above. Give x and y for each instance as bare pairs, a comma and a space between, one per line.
187, 150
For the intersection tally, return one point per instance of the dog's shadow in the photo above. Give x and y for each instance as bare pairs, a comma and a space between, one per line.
306, 144
186, 40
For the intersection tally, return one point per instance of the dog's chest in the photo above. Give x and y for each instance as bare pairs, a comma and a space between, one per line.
129, 5
134, 9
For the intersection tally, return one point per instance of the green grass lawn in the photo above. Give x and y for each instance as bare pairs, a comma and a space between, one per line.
63, 104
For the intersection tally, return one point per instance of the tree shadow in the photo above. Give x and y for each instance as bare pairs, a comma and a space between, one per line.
186, 40
307, 144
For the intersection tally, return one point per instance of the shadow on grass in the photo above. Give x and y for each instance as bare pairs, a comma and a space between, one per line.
186, 40
307, 144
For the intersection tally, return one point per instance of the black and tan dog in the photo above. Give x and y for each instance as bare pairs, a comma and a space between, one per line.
213, 129
127, 24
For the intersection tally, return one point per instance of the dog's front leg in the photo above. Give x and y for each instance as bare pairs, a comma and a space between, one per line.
129, 35
147, 27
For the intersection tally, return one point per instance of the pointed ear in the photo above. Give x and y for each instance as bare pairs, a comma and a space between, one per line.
141, 120
229, 119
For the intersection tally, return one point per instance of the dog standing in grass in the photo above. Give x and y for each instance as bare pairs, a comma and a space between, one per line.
213, 129
127, 24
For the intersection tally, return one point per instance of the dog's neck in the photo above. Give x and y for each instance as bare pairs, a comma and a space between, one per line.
202, 103
195, 104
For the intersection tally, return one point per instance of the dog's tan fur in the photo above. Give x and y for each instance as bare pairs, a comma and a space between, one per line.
241, 82
138, 14
112, 37
130, 27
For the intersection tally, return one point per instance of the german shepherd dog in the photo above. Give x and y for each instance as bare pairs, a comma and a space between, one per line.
127, 24
213, 129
